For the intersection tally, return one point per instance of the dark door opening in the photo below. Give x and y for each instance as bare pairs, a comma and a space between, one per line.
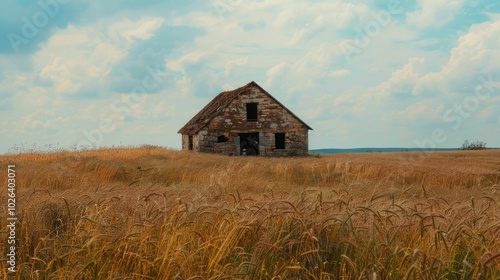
249, 144
190, 144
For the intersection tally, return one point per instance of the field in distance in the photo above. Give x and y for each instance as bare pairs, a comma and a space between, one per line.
152, 213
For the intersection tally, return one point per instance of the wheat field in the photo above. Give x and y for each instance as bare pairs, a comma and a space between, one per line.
153, 213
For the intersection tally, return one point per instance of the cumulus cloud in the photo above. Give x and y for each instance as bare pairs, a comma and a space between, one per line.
435, 13
402, 81
425, 110
77, 59
143, 30
235, 64
463, 88
321, 62
475, 56
339, 73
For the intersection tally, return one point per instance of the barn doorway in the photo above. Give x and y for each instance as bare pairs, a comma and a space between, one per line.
249, 144
190, 144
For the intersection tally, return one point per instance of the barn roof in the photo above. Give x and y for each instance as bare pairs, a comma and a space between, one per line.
221, 101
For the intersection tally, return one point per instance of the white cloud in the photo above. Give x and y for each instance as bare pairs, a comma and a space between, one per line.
180, 64
475, 56
402, 81
343, 100
425, 110
234, 64
41, 120
319, 63
416, 99
89, 109
79, 59
284, 18
73, 65
435, 13
144, 31
488, 113
339, 73
277, 71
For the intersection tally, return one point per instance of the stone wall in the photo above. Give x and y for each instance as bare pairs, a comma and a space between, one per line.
271, 115
272, 118
209, 142
185, 142
295, 142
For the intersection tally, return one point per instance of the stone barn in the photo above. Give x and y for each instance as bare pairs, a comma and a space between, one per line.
246, 121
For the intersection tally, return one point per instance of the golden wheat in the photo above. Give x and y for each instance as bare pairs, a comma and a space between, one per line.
151, 213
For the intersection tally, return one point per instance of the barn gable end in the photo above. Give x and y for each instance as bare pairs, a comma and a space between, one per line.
247, 120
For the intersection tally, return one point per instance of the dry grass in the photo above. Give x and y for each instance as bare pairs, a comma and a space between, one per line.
151, 213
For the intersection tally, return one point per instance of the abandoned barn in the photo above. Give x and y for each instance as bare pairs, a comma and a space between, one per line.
246, 121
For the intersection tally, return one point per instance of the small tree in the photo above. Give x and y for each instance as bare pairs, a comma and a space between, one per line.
478, 145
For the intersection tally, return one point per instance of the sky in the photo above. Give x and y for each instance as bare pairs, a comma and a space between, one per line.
398, 73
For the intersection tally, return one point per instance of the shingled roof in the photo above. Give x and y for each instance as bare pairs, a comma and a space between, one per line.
221, 101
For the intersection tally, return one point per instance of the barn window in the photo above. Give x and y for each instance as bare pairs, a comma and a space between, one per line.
252, 112
190, 144
222, 139
279, 139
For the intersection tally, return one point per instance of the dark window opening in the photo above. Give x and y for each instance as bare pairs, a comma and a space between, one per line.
252, 112
190, 144
222, 139
279, 140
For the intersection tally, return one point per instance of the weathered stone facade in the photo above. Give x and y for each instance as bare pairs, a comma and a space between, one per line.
247, 120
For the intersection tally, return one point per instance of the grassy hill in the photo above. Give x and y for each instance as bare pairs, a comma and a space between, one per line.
152, 213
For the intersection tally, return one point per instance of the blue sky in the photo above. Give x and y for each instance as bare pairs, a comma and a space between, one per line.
395, 73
